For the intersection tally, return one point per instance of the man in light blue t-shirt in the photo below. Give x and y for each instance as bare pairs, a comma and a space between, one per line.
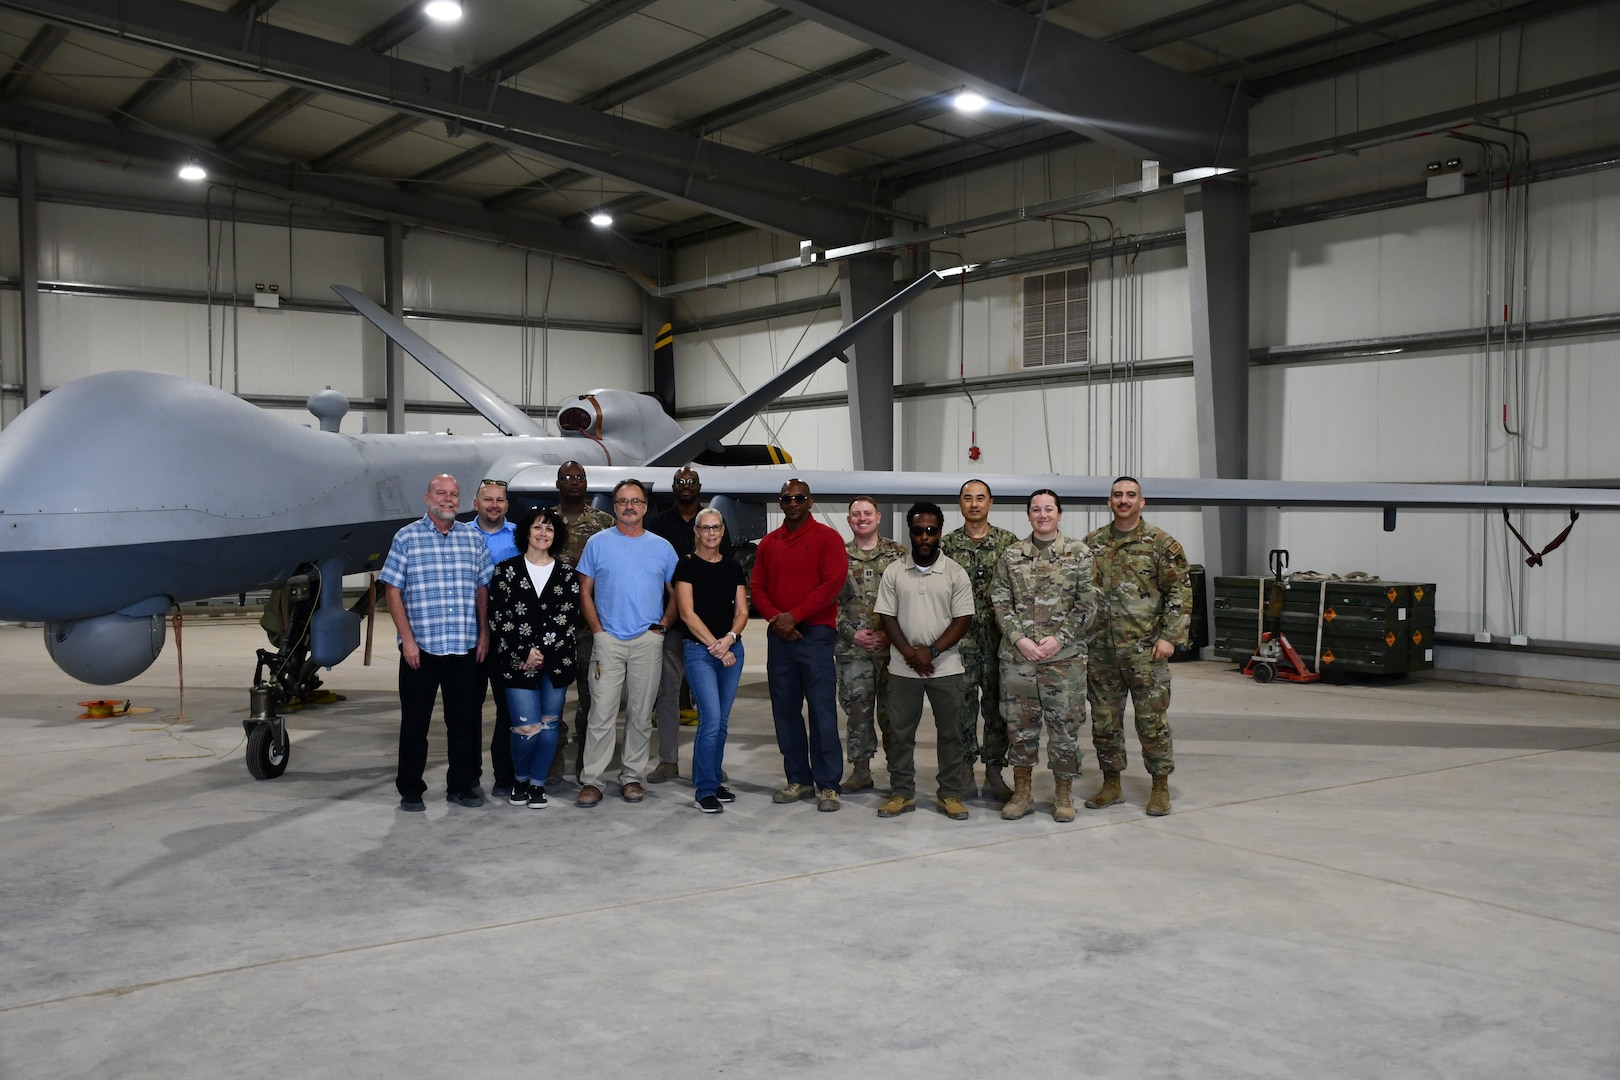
624, 575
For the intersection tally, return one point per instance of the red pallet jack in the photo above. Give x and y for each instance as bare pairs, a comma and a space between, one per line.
1275, 658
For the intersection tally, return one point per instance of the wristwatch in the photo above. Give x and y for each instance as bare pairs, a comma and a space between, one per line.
933, 651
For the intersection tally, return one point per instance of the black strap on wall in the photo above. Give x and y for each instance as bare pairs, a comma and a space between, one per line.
1535, 556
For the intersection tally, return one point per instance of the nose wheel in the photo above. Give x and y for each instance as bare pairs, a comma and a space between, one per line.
268, 750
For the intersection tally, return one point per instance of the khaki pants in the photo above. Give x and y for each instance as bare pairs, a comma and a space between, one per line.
632, 667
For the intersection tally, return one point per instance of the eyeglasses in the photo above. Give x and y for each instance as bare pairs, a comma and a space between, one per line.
629, 502
710, 528
925, 530
486, 481
567, 478
685, 483
788, 499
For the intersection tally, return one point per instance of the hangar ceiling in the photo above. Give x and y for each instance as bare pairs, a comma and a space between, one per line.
682, 117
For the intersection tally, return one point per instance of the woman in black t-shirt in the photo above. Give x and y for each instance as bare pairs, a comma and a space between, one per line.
711, 596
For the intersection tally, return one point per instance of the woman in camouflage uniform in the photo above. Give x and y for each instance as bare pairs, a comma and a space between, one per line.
1044, 600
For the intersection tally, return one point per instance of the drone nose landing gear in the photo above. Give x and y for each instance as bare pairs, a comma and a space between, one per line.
267, 745
1274, 657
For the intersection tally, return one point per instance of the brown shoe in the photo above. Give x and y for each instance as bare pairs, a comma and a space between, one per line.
897, 805
1158, 803
589, 795
953, 809
666, 771
632, 792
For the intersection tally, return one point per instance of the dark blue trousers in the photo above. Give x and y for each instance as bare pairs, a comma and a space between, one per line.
801, 673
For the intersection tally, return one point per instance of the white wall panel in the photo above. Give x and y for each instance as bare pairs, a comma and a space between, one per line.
299, 352
717, 367
580, 362
81, 335
448, 273
115, 247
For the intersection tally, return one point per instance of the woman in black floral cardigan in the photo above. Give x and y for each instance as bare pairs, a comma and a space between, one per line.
533, 606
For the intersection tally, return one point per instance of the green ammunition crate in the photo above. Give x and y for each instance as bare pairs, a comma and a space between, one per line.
1367, 627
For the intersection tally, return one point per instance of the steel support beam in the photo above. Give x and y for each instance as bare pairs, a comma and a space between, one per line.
1218, 272
33, 57
28, 254
864, 283
684, 63
1100, 90
657, 314
760, 191
368, 199
394, 302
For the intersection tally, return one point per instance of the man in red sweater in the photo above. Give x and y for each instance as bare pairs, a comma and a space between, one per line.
798, 571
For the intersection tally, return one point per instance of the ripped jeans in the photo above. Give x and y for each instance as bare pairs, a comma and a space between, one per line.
535, 715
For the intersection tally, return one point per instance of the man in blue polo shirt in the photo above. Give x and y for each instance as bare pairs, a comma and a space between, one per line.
490, 502
437, 580
624, 575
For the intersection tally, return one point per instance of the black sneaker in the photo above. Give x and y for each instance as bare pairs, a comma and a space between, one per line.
502, 791
414, 806
537, 798
519, 795
475, 797
724, 794
709, 804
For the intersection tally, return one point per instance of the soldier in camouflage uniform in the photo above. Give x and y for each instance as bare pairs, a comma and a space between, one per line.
584, 521
1044, 601
1145, 600
861, 652
977, 547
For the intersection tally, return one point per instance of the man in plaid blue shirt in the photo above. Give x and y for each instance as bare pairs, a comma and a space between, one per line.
437, 580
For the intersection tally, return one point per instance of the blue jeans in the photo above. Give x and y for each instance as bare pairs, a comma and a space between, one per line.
802, 673
714, 688
532, 754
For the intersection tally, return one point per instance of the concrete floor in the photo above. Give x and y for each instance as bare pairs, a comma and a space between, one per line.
1414, 879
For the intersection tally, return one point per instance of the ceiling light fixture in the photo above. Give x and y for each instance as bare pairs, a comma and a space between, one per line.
193, 171
445, 11
601, 219
969, 101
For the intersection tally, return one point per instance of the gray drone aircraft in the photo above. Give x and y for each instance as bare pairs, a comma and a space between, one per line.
125, 493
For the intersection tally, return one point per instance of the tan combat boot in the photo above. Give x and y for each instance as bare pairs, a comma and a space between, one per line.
1106, 795
1022, 802
994, 786
860, 777
1063, 799
1158, 803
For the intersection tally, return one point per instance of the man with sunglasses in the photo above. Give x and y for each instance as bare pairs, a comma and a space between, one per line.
926, 603
624, 587
490, 502
798, 571
583, 521
675, 525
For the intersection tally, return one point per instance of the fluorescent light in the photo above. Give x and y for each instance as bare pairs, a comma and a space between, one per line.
969, 102
193, 171
601, 219
1189, 175
952, 271
445, 11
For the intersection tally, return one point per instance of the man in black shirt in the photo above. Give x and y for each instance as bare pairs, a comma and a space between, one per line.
675, 525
